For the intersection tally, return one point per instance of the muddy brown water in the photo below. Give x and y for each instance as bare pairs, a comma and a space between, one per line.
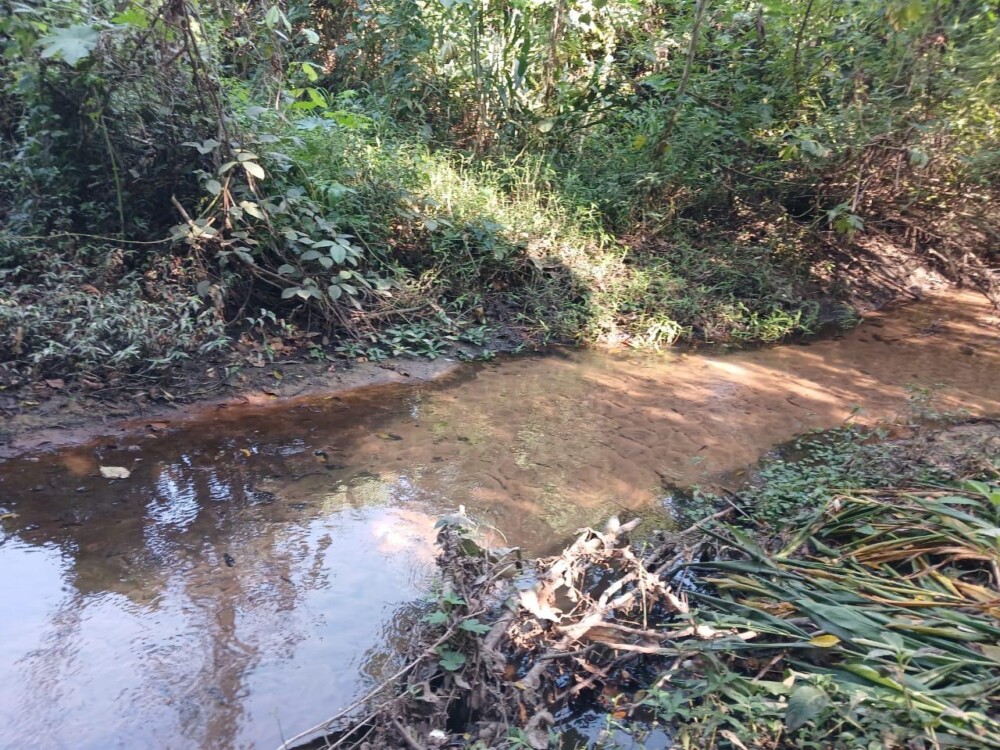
252, 574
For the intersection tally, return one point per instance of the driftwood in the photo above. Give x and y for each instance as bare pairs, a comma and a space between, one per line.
557, 628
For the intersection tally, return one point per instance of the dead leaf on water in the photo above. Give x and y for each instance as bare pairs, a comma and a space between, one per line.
8, 516
115, 472
388, 436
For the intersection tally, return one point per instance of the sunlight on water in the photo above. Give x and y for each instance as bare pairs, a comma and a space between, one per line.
256, 569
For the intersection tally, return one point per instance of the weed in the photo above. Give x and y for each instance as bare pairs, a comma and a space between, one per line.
62, 322
806, 471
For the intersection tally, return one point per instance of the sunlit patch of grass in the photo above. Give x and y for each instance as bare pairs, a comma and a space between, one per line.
475, 241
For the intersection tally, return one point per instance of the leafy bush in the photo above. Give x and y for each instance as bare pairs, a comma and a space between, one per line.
60, 322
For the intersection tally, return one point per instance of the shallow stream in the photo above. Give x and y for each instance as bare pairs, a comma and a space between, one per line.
252, 574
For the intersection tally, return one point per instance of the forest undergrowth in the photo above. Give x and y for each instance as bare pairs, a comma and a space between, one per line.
190, 181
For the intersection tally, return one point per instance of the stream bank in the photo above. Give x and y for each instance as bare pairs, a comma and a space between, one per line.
870, 619
266, 366
262, 548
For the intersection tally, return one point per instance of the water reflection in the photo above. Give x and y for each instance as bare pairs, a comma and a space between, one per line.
256, 567
192, 617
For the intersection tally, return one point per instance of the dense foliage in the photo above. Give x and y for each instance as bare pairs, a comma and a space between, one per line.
396, 174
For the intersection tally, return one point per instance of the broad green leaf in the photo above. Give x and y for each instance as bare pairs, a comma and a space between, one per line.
451, 660
473, 625
844, 622
134, 16
310, 71
334, 291
436, 618
204, 147
213, 186
252, 208
70, 44
254, 169
274, 16
804, 704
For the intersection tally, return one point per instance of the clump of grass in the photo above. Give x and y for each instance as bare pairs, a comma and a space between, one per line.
875, 623
801, 475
